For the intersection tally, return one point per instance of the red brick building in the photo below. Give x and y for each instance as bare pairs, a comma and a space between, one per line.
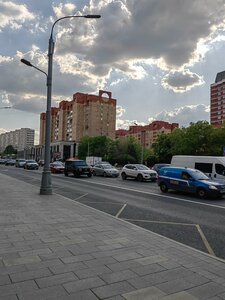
147, 134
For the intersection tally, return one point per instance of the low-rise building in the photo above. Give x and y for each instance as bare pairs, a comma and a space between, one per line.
146, 135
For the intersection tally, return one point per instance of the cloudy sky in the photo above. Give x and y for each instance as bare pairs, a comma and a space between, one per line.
157, 57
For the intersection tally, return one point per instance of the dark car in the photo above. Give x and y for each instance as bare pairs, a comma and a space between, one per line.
57, 167
10, 162
77, 168
105, 169
31, 165
157, 167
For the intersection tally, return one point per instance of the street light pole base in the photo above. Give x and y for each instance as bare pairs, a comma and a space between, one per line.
46, 183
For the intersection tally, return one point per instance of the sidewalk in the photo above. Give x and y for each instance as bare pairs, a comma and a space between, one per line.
54, 248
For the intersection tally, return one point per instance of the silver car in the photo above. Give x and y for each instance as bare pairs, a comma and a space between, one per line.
105, 169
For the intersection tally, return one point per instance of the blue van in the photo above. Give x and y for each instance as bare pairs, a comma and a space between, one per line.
189, 180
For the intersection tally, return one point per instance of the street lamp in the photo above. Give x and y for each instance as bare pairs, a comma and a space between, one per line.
46, 184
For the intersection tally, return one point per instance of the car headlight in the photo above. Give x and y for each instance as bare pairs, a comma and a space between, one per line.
212, 187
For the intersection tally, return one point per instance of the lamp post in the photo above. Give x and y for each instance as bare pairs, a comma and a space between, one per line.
46, 184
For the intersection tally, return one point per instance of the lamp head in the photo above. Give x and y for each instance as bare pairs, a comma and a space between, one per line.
26, 62
92, 16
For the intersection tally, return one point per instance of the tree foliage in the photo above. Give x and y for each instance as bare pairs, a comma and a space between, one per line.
10, 150
198, 139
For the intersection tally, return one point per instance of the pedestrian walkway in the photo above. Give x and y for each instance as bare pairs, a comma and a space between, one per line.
54, 248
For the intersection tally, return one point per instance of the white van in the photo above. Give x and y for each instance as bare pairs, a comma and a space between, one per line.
212, 166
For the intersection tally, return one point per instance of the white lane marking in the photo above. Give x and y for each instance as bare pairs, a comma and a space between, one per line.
158, 195
159, 222
80, 197
120, 211
206, 243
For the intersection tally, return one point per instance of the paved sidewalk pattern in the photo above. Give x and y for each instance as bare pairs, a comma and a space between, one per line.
54, 248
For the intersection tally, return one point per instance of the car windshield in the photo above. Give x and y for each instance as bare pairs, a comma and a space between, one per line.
57, 163
142, 167
31, 161
80, 163
107, 166
198, 175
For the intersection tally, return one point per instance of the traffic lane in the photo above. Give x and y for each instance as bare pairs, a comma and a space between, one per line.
140, 210
166, 221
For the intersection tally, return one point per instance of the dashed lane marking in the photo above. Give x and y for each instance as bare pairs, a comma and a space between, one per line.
121, 210
206, 243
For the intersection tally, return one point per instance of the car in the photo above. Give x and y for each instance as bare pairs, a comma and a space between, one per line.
157, 167
105, 169
190, 181
10, 162
57, 167
31, 165
20, 163
41, 163
77, 167
3, 161
139, 172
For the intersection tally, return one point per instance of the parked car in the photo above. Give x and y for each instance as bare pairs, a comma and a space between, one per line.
20, 163
105, 169
139, 172
157, 167
57, 167
41, 163
10, 162
31, 165
3, 161
77, 168
189, 180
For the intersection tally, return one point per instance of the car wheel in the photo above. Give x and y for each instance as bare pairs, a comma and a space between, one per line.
66, 174
139, 177
124, 176
201, 193
94, 174
104, 174
163, 187
89, 174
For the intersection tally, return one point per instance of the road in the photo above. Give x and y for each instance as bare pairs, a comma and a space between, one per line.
181, 217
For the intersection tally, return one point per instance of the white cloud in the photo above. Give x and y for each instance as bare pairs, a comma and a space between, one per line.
183, 115
13, 15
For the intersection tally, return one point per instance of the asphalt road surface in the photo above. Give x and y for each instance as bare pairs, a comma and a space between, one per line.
181, 217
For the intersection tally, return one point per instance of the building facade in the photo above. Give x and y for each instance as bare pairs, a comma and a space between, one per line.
20, 139
217, 100
147, 135
85, 115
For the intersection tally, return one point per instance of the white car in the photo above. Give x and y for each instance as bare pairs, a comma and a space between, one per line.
139, 172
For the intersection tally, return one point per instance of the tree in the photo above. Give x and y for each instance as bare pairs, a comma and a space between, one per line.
10, 150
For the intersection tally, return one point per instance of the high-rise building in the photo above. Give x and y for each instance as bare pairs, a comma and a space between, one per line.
217, 100
85, 115
20, 139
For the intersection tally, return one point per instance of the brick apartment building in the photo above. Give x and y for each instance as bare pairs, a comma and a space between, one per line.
84, 115
217, 100
147, 134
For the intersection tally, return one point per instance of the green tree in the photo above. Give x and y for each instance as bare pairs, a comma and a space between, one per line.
10, 150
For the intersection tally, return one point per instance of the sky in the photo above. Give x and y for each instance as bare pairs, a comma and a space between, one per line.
157, 57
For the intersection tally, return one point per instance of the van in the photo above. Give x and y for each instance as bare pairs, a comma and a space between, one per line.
190, 181
212, 166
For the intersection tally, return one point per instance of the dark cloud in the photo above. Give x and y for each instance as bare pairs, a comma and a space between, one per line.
181, 81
